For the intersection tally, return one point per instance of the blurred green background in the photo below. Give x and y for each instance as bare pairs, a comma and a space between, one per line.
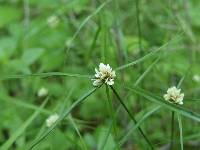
74, 36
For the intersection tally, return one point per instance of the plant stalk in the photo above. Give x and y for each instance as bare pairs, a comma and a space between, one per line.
172, 131
132, 117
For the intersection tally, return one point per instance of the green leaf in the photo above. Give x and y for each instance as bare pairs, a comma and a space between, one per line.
132, 117
7, 47
181, 130
144, 117
62, 116
32, 55
23, 127
149, 55
43, 75
106, 141
17, 102
83, 144
8, 15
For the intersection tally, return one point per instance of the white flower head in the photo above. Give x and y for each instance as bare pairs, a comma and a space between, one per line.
51, 120
174, 95
42, 92
196, 78
53, 21
105, 74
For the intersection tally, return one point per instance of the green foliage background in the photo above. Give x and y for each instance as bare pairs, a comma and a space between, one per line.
89, 32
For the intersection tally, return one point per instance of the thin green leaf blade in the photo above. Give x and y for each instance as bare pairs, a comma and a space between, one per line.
180, 130
177, 108
23, 127
65, 114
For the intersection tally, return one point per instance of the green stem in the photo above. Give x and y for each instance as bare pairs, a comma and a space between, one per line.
132, 117
111, 113
83, 144
172, 131
139, 27
180, 130
62, 116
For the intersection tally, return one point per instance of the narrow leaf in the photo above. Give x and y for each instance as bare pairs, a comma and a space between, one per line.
43, 75
23, 127
177, 108
181, 130
64, 115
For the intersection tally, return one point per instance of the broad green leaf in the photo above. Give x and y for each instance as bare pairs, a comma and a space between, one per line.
8, 15
32, 55
7, 47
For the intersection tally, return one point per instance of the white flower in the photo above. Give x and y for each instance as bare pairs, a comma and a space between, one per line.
53, 21
174, 95
196, 78
42, 92
51, 120
105, 74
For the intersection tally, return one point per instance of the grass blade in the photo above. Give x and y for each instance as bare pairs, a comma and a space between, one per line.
43, 75
172, 131
147, 71
111, 113
125, 137
23, 127
83, 144
65, 114
152, 53
177, 108
23, 104
84, 22
181, 130
110, 129
132, 117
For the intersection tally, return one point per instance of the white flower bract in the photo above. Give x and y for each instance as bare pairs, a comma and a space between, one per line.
104, 74
174, 95
196, 78
42, 92
51, 120
53, 21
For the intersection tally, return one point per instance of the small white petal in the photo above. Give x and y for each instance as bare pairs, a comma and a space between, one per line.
113, 74
104, 75
51, 120
97, 82
96, 70
166, 97
110, 82
42, 92
181, 103
98, 75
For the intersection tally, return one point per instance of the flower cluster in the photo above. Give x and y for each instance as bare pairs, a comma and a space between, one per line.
42, 92
174, 95
51, 120
105, 74
196, 78
53, 21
